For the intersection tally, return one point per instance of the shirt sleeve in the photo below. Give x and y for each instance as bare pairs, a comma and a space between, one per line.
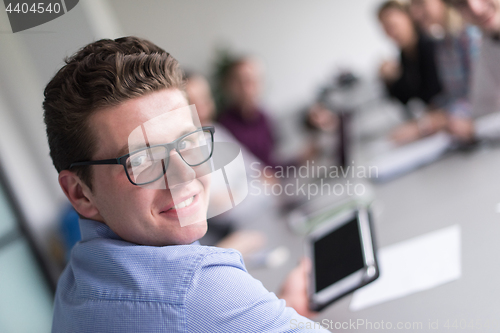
468, 47
223, 297
485, 83
401, 89
430, 85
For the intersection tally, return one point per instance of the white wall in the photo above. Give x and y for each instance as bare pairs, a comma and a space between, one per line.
28, 60
302, 43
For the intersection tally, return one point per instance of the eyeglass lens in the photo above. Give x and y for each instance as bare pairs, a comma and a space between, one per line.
150, 164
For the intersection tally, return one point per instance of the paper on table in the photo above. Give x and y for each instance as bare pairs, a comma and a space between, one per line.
488, 126
413, 265
400, 160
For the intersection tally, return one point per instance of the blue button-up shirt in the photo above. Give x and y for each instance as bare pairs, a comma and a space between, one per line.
111, 285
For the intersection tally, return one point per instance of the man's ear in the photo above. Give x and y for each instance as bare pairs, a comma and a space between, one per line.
78, 194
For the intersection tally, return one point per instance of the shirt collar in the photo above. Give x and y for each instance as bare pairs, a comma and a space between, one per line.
91, 229
94, 229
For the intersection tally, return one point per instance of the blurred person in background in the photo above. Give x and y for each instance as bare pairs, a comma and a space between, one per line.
224, 230
199, 93
457, 46
247, 120
244, 116
486, 82
415, 75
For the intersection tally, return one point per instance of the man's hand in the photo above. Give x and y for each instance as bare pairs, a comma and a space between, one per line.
294, 290
462, 129
405, 133
430, 123
389, 71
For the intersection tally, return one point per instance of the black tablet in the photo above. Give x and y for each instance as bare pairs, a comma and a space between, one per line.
342, 252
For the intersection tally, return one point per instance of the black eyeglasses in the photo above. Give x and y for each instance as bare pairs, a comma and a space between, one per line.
149, 164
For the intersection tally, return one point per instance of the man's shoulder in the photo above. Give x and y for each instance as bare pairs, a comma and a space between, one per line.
114, 269
490, 48
133, 287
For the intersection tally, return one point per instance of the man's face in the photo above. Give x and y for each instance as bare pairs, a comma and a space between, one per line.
198, 92
483, 13
399, 27
245, 83
428, 12
146, 215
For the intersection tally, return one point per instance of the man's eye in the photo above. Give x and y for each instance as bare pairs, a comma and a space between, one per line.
185, 144
137, 161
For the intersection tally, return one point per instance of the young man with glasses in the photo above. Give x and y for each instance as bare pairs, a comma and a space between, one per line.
134, 163
486, 82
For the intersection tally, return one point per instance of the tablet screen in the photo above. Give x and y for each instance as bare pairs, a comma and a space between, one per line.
338, 254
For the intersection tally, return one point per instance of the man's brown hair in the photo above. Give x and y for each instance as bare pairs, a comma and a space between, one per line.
393, 4
102, 74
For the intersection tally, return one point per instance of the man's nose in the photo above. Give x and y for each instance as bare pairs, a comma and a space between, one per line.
178, 171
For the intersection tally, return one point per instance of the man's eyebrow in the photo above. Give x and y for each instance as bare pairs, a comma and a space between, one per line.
190, 129
124, 150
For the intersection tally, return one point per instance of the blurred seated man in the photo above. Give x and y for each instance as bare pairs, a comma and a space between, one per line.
415, 75
134, 165
486, 83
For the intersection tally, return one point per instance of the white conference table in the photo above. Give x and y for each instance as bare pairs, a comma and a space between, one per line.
462, 188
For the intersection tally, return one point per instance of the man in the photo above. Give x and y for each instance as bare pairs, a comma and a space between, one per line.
138, 267
486, 85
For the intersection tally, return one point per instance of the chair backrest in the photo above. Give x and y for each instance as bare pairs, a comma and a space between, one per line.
26, 290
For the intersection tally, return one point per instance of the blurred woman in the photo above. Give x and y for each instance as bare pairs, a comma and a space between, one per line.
244, 116
456, 49
415, 76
